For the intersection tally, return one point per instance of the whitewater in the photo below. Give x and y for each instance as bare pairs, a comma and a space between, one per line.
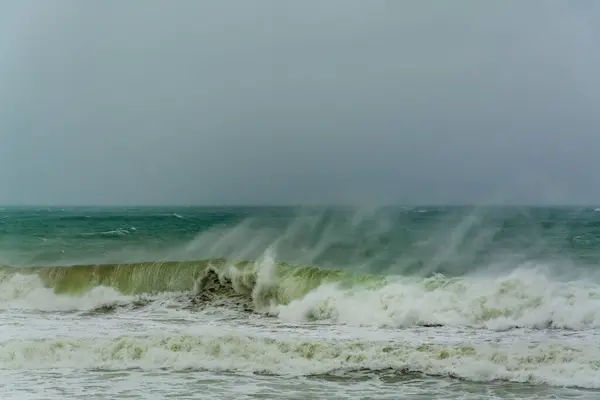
291, 303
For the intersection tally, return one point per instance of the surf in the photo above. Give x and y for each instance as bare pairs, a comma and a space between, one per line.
526, 297
249, 352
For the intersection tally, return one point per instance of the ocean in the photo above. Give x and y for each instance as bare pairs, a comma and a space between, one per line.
299, 302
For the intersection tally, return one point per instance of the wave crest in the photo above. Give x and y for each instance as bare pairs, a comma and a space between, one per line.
527, 297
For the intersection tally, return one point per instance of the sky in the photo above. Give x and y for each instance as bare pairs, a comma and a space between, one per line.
301, 102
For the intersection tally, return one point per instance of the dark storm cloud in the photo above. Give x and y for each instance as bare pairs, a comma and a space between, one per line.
280, 101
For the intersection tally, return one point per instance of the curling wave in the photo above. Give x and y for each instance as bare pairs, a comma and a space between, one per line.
527, 297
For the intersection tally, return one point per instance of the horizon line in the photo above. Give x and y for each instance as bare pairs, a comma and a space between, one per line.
298, 205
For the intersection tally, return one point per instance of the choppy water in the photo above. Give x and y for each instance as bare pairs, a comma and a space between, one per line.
294, 303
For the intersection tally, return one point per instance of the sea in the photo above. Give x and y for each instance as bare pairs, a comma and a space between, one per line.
300, 302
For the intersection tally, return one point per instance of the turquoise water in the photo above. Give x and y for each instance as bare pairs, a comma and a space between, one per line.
393, 240
441, 302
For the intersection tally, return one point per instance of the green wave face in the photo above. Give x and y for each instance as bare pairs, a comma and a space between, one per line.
127, 278
264, 282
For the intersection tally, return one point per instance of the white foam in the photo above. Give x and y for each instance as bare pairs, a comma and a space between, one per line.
18, 291
526, 297
222, 351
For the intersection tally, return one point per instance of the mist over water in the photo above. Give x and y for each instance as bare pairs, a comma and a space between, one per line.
384, 240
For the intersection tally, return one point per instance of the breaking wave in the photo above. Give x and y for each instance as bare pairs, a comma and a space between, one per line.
526, 297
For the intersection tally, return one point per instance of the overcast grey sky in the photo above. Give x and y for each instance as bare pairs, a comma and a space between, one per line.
217, 102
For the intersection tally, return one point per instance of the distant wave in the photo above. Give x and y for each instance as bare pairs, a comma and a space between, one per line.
112, 233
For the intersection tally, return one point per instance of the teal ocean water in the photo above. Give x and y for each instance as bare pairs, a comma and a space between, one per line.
286, 302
